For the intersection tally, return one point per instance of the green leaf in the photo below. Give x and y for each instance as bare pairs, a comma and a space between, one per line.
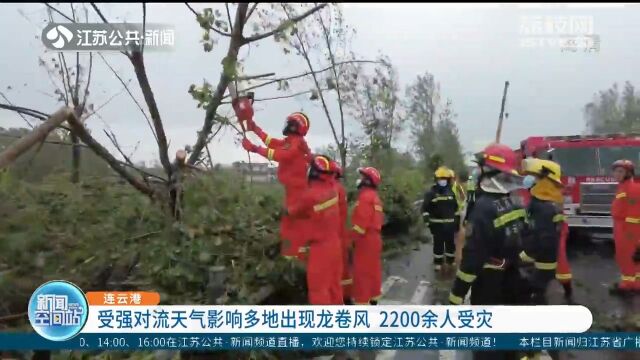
229, 67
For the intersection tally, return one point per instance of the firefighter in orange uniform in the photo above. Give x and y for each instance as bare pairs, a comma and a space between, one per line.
563, 271
625, 211
293, 155
319, 205
347, 280
366, 222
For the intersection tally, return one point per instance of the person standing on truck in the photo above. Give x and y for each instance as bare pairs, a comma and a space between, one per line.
293, 155
489, 265
546, 220
440, 211
625, 211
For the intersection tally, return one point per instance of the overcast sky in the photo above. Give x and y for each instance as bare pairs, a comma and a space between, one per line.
470, 49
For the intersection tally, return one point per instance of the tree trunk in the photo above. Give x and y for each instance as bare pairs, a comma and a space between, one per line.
75, 159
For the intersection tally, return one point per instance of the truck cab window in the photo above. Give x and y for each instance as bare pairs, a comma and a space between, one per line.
577, 161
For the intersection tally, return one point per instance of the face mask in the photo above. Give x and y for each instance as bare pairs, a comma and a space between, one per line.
358, 182
442, 183
529, 181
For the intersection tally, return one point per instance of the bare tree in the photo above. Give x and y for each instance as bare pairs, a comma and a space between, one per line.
273, 22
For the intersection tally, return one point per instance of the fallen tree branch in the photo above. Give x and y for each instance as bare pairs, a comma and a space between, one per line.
21, 115
13, 317
38, 134
97, 148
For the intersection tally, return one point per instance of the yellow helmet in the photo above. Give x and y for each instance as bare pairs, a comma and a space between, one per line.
452, 174
542, 167
443, 172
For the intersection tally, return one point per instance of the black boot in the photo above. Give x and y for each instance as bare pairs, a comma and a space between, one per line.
373, 302
347, 301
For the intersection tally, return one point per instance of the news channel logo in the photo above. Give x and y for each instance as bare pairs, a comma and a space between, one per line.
58, 310
108, 37
568, 33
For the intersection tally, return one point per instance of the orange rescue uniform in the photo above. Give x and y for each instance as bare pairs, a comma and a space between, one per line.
319, 205
292, 154
625, 211
367, 219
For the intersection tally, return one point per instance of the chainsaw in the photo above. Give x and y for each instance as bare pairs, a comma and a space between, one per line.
242, 105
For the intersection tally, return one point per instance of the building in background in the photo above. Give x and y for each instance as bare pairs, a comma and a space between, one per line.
258, 172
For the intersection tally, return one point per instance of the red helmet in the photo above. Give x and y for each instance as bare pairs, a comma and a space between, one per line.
302, 122
625, 164
500, 157
372, 173
322, 164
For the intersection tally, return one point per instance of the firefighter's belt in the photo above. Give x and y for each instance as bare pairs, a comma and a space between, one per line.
509, 217
442, 221
441, 198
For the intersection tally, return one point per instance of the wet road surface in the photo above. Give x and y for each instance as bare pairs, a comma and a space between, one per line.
410, 280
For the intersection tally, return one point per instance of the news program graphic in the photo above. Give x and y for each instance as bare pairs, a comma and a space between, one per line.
108, 37
569, 33
58, 310
58, 36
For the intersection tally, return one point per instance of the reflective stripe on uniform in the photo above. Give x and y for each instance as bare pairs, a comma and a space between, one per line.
564, 276
632, 220
270, 154
267, 141
436, 199
627, 278
496, 158
346, 282
325, 205
438, 256
546, 265
468, 278
526, 258
621, 195
509, 217
425, 214
559, 218
455, 299
449, 254
493, 266
441, 221
358, 229
377, 208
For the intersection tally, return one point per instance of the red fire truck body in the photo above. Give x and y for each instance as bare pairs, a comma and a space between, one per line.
586, 172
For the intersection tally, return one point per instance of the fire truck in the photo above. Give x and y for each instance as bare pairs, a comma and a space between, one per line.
586, 173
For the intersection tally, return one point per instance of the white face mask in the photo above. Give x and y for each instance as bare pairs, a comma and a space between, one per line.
442, 183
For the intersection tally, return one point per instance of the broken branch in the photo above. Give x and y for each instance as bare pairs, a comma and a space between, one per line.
38, 134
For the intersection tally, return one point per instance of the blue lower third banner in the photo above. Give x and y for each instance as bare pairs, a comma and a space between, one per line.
311, 341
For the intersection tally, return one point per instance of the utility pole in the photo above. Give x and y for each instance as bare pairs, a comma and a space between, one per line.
500, 120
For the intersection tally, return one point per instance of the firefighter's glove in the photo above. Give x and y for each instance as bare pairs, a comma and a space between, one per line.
636, 256
248, 145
